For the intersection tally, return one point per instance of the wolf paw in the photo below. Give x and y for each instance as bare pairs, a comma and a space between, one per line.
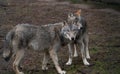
20, 73
62, 72
44, 68
69, 63
86, 63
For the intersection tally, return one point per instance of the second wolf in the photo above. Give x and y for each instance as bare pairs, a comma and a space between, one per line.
77, 32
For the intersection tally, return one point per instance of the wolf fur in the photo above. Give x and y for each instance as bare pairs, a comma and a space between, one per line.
46, 38
78, 35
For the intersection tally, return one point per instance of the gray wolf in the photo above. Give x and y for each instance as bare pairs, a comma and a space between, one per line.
77, 33
46, 38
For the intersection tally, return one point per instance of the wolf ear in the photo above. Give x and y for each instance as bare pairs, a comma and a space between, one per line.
70, 15
78, 12
64, 23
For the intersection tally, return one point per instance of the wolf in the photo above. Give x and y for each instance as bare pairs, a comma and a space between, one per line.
77, 33
45, 38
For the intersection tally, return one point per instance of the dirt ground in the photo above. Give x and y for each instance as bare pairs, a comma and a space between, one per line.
104, 33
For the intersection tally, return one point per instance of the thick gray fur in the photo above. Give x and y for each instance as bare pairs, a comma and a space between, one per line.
23, 36
78, 37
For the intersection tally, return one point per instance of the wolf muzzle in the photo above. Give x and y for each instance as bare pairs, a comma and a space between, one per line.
72, 38
7, 58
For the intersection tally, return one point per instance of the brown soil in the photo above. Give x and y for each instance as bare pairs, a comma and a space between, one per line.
104, 32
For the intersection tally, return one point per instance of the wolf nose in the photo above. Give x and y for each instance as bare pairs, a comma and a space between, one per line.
72, 39
7, 59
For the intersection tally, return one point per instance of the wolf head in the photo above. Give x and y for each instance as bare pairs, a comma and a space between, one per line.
75, 18
70, 30
72, 26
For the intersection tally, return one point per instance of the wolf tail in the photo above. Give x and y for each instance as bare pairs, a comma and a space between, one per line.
7, 52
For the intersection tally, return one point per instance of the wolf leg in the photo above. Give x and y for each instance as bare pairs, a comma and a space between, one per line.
70, 55
18, 58
45, 61
54, 57
83, 54
86, 41
75, 51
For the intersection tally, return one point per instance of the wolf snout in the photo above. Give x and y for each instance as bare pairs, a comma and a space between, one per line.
72, 38
6, 59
